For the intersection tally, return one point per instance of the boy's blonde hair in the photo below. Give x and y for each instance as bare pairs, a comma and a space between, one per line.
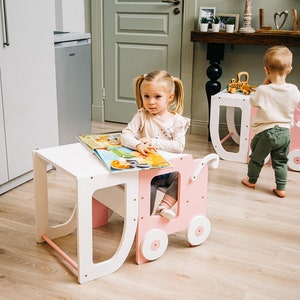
173, 84
278, 59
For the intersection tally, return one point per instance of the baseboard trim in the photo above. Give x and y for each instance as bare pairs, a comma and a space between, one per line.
201, 128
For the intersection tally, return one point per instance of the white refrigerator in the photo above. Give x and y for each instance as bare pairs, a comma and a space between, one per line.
73, 79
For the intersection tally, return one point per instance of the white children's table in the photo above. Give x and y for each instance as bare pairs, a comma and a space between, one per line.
98, 190
118, 191
90, 175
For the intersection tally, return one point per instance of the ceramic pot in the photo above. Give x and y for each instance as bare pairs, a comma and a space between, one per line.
203, 27
215, 27
229, 28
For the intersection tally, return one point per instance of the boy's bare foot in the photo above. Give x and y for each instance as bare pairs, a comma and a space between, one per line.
246, 182
279, 193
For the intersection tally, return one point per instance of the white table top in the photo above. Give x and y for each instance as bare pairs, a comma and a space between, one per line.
79, 162
236, 96
75, 159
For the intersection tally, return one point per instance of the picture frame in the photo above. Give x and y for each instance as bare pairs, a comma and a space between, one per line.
224, 18
207, 12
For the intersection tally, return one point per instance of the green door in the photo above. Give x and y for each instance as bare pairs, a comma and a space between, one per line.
139, 37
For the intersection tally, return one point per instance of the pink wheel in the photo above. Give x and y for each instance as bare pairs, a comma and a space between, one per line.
198, 230
154, 244
294, 160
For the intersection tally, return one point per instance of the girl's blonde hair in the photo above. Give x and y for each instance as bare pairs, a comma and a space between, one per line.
278, 59
173, 84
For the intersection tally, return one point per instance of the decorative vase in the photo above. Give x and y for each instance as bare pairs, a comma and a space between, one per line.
216, 27
203, 26
229, 28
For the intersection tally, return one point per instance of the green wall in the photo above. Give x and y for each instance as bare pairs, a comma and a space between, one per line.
237, 57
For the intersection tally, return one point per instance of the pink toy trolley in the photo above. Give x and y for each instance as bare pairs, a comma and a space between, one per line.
294, 155
152, 231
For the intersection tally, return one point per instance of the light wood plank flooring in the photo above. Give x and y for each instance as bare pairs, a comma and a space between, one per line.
253, 251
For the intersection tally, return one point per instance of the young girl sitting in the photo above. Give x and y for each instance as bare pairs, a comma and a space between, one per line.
158, 125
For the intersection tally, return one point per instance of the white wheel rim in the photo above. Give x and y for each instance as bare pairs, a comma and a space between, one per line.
154, 244
198, 230
294, 160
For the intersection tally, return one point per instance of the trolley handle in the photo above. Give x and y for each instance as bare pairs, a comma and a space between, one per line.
212, 158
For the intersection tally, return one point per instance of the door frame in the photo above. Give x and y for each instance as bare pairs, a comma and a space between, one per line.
187, 50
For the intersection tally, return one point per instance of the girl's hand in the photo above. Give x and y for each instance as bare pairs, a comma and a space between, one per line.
144, 148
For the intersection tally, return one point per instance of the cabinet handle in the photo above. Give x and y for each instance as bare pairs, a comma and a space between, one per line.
6, 39
176, 2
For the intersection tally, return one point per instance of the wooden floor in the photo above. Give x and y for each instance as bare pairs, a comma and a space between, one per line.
253, 251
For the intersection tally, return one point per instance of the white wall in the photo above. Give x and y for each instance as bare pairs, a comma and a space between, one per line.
70, 15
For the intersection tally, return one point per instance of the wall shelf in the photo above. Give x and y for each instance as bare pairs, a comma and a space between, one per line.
264, 38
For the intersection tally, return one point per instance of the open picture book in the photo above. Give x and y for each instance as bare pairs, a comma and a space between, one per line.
109, 150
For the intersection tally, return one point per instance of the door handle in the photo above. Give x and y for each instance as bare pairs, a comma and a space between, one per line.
176, 2
6, 39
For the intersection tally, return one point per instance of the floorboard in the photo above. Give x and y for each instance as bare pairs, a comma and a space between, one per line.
253, 251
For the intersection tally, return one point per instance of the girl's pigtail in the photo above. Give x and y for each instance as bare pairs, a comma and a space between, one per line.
176, 104
138, 96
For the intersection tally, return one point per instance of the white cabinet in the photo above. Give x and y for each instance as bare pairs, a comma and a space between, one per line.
28, 108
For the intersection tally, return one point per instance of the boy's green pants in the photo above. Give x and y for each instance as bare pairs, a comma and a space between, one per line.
276, 142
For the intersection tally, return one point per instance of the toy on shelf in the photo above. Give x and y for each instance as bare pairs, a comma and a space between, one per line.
239, 85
